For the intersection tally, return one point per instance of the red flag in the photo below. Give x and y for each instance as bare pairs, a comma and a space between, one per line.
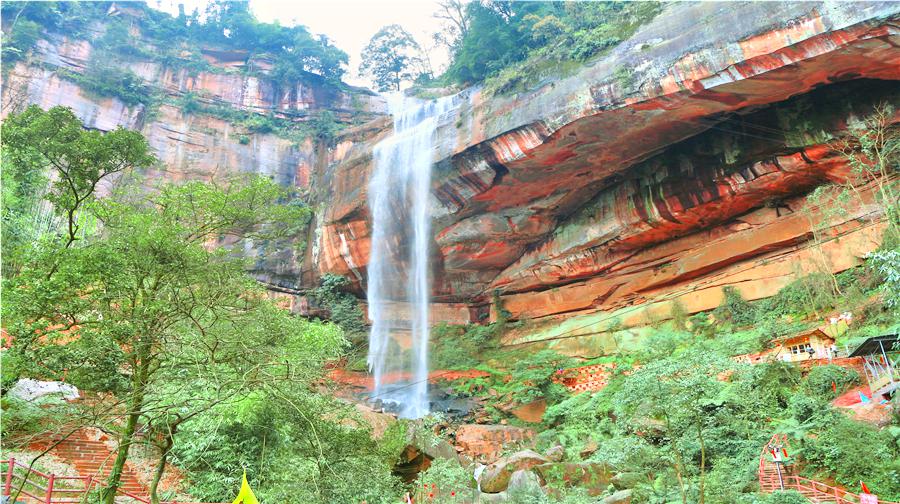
834, 387
865, 489
784, 451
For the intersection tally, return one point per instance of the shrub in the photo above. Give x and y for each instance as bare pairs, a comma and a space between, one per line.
805, 295
786, 497
532, 378
444, 482
852, 451
333, 293
451, 348
23, 36
105, 78
188, 103
679, 316
820, 379
326, 126
734, 308
887, 264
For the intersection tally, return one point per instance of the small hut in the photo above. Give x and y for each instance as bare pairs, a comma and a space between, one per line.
881, 355
808, 345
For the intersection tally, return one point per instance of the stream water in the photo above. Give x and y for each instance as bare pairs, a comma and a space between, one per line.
399, 281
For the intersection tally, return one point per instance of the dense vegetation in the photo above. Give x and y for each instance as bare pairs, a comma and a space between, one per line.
295, 52
673, 428
512, 45
163, 333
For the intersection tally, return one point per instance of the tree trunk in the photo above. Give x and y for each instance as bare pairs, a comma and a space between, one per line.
702, 463
135, 405
161, 467
115, 475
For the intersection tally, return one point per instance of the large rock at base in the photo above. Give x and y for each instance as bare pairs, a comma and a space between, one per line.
496, 476
523, 483
532, 412
620, 497
485, 443
594, 476
380, 422
556, 453
423, 440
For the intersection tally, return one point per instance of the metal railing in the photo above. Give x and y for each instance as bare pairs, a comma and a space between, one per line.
54, 489
773, 477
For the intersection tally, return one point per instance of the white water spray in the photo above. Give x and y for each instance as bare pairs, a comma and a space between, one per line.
398, 262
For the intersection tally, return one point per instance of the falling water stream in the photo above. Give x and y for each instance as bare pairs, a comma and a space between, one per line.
398, 273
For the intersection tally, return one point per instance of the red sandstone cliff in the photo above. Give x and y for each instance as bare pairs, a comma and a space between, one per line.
673, 166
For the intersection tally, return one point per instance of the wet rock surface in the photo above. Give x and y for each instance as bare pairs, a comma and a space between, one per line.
496, 477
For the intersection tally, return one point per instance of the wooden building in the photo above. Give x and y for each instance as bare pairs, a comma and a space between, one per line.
808, 345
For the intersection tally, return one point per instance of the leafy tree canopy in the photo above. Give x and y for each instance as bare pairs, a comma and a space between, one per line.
144, 312
486, 37
223, 24
391, 58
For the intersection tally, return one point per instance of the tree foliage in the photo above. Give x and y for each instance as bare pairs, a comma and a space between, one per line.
36, 142
488, 36
392, 57
296, 53
145, 310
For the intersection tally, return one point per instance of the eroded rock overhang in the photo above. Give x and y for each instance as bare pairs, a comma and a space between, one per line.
514, 170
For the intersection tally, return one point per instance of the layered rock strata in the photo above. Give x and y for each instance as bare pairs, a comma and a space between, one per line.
676, 164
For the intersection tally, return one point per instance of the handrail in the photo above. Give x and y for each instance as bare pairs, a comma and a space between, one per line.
823, 491
50, 490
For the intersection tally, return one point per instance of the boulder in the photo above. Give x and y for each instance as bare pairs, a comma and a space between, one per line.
628, 479
485, 443
523, 483
620, 497
556, 453
421, 440
532, 412
589, 448
594, 476
496, 477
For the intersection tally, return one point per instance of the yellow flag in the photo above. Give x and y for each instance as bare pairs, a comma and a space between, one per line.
245, 496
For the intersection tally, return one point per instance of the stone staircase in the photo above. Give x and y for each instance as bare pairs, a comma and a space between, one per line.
90, 453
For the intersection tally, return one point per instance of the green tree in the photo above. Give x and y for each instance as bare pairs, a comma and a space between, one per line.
297, 446
678, 396
455, 17
391, 58
145, 308
37, 141
343, 307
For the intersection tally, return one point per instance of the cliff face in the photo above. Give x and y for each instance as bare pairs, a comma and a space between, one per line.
207, 143
675, 165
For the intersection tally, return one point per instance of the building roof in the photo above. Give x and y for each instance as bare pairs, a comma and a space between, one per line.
804, 334
874, 345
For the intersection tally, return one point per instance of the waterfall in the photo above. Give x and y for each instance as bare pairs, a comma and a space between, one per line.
398, 271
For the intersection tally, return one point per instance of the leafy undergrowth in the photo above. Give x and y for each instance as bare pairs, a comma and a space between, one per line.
681, 409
